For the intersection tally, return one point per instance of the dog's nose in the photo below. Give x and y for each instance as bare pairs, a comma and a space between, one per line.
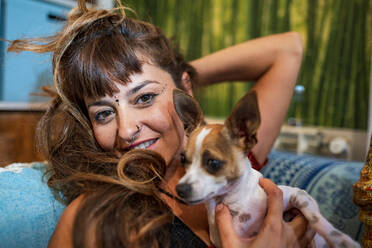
184, 190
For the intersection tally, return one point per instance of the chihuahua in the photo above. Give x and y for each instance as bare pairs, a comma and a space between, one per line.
218, 171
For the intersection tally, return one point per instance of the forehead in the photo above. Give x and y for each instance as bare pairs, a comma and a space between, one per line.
214, 145
152, 72
150, 76
215, 140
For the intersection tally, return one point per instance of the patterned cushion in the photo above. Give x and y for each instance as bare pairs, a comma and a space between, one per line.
29, 211
329, 181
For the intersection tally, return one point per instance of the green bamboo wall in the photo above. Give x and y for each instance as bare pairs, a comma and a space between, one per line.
337, 57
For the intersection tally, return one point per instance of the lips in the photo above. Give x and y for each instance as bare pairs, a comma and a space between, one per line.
145, 145
142, 145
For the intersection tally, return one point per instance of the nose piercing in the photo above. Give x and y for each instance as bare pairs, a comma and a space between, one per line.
134, 135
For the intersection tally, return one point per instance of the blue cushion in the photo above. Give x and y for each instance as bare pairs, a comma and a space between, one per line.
328, 181
28, 210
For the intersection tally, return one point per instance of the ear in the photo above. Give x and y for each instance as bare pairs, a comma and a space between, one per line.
186, 82
244, 120
188, 110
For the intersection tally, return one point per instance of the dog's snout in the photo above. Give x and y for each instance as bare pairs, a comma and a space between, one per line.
184, 190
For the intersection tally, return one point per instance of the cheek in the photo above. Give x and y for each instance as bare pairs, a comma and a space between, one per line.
165, 121
105, 136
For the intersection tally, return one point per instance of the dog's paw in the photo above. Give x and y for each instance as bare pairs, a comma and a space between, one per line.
341, 240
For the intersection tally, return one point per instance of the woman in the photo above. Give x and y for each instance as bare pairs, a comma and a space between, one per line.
114, 78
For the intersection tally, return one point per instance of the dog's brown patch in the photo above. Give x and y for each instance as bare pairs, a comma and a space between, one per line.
304, 204
219, 147
314, 219
335, 233
244, 217
233, 213
293, 200
191, 144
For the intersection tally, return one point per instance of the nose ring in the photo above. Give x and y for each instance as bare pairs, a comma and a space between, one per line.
134, 135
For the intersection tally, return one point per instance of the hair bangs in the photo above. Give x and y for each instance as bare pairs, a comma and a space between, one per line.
100, 65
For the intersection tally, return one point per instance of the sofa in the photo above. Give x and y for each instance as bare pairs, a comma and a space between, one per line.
29, 211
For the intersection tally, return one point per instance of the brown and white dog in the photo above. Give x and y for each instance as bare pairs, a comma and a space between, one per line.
218, 170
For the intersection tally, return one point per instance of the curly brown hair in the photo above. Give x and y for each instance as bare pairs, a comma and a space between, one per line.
95, 50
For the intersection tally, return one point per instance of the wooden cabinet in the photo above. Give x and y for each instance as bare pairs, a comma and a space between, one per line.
17, 136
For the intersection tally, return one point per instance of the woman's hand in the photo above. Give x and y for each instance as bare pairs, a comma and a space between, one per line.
274, 233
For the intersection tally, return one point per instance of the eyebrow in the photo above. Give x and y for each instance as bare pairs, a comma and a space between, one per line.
99, 103
141, 85
131, 92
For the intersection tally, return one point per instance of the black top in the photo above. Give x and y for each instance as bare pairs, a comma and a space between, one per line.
183, 237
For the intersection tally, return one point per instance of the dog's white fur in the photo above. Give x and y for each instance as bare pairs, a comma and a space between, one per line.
244, 197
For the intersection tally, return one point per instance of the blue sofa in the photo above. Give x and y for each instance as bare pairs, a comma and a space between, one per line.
29, 211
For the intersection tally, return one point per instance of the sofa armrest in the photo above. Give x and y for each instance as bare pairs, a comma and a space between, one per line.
28, 210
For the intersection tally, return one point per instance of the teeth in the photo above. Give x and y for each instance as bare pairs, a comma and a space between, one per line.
145, 144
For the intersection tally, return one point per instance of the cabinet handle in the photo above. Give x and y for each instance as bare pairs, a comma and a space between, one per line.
56, 17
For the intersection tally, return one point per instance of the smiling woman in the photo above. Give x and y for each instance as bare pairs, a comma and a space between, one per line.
139, 114
114, 78
113, 140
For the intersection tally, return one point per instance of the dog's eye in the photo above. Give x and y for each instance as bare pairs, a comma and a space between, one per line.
214, 164
183, 159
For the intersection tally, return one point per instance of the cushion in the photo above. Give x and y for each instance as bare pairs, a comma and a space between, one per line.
328, 181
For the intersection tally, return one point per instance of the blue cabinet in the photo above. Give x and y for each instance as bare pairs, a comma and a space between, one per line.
25, 73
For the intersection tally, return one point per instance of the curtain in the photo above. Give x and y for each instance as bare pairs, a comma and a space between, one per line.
334, 77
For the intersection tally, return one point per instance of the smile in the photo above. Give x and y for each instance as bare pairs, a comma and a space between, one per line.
145, 145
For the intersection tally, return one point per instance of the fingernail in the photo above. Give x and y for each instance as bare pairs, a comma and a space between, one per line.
219, 207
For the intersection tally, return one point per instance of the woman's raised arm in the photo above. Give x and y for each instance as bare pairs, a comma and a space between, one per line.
273, 62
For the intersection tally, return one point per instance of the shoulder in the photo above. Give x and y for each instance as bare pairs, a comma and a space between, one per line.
62, 235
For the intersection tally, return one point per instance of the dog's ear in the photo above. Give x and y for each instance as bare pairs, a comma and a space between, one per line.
244, 120
188, 110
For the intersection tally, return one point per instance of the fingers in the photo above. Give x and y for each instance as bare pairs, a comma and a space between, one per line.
225, 227
308, 239
274, 201
299, 225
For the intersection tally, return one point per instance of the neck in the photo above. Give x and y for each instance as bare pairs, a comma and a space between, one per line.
248, 182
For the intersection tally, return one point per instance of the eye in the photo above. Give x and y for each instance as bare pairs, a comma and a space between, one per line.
214, 164
145, 98
102, 116
183, 159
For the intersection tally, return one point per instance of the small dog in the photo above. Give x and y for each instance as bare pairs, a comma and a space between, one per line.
218, 170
